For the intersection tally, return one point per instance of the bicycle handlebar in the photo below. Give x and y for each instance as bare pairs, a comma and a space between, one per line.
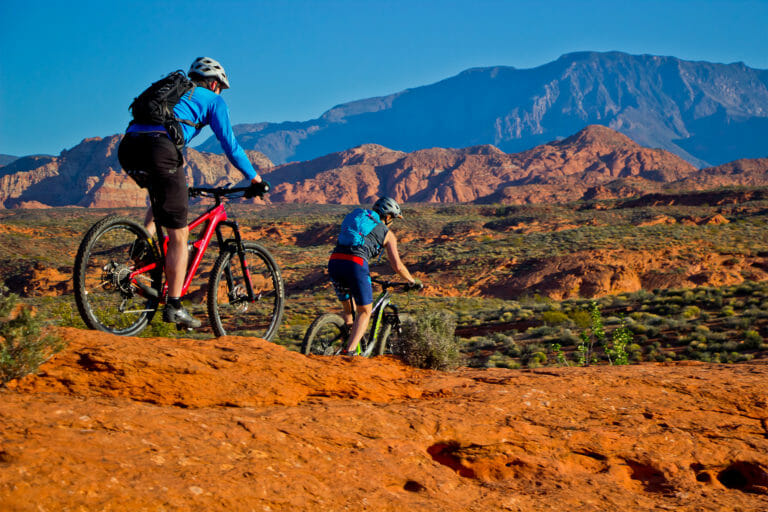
392, 284
215, 191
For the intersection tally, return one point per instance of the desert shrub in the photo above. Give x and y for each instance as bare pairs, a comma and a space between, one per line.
717, 337
506, 343
481, 343
554, 317
558, 355
621, 339
159, 329
691, 312
542, 331
567, 337
461, 227
24, 344
582, 318
428, 341
536, 360
752, 339
737, 322
498, 360
61, 313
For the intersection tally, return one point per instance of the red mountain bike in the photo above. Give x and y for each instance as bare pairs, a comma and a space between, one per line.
118, 288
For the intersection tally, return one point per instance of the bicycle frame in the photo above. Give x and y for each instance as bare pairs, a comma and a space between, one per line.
377, 314
216, 217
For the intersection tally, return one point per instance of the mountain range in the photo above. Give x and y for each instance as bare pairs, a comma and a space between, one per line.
704, 112
594, 163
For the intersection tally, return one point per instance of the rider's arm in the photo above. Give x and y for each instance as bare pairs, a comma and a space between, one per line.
390, 243
222, 128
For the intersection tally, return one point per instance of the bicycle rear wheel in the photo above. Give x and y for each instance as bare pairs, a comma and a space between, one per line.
326, 336
107, 298
229, 310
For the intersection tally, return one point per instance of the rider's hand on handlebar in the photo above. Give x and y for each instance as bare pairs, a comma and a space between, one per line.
257, 189
416, 285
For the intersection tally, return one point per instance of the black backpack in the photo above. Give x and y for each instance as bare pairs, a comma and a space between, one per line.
155, 105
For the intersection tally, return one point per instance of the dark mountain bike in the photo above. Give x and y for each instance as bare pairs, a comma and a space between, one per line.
328, 334
119, 285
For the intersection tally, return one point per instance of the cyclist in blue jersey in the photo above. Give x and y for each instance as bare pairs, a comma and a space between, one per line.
348, 266
149, 148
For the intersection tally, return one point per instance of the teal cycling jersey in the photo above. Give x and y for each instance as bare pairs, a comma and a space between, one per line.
204, 107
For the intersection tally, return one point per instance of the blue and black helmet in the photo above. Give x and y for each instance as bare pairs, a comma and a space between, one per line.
387, 206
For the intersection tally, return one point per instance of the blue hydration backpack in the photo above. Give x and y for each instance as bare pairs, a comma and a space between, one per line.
357, 225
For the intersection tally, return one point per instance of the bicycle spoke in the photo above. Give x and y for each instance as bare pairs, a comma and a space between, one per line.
231, 310
107, 298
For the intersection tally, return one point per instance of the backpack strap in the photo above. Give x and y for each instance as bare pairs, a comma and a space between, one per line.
198, 126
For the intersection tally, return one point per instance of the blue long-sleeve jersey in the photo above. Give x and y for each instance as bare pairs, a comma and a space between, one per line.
202, 106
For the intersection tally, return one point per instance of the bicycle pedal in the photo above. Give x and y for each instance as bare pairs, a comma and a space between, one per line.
182, 327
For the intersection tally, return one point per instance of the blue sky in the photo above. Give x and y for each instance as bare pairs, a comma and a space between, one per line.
69, 69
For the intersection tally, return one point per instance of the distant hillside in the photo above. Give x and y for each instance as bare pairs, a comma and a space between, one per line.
706, 113
559, 171
6, 159
89, 175
595, 163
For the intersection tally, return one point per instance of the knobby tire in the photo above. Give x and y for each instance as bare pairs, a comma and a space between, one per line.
229, 311
325, 336
106, 298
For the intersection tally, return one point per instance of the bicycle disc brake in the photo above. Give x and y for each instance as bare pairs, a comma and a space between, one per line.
238, 298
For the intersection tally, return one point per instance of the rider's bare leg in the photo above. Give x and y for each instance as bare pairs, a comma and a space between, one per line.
348, 317
359, 327
176, 260
149, 222
178, 254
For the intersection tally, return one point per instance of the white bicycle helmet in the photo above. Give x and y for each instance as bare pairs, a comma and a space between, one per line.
209, 68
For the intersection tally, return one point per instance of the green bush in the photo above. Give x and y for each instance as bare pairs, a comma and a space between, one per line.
752, 339
24, 345
428, 341
554, 317
691, 312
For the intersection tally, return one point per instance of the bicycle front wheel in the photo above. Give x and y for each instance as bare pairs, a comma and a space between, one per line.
108, 298
389, 331
230, 310
326, 336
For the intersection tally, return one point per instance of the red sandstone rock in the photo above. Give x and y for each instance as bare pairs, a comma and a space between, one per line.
241, 424
595, 163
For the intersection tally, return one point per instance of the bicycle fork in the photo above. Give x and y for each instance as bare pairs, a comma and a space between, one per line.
231, 287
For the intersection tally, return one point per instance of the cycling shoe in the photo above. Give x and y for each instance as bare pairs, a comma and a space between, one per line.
180, 316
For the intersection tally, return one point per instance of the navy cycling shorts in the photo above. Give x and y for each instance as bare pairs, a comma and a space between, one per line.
350, 277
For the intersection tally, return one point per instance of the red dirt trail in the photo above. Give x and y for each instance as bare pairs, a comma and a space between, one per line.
237, 424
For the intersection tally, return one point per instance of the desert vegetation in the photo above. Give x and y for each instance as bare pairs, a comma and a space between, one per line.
668, 278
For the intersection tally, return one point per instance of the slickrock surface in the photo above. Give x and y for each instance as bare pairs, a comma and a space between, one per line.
241, 424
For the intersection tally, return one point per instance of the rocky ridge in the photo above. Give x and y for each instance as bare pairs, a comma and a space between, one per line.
595, 163
89, 175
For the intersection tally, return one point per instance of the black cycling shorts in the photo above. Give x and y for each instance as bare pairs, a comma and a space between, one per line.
156, 154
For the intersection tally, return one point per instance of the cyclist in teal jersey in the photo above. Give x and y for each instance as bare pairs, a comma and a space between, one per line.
348, 269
